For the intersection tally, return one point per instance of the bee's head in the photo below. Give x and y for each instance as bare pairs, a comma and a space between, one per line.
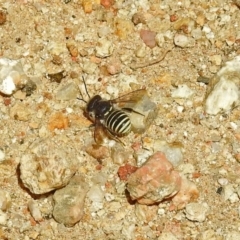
98, 108
92, 106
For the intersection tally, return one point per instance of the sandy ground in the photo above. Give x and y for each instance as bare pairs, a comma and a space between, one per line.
104, 44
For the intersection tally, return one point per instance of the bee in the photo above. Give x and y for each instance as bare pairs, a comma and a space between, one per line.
109, 119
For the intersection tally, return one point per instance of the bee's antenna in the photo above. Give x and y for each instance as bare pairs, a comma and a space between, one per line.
81, 99
85, 87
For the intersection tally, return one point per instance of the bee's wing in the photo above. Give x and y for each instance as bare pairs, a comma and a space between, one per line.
134, 96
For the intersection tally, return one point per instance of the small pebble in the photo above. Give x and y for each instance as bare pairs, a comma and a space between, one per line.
107, 3
180, 109
128, 231
104, 31
57, 60
100, 178
187, 168
3, 218
120, 215
97, 151
104, 48
3, 17
141, 51
223, 90
114, 206
89, 67
29, 87
183, 91
5, 200
167, 236
120, 155
20, 112
234, 198
73, 50
2, 155
138, 18
32, 235
161, 211
19, 95
112, 90
68, 92
181, 40
196, 33
58, 121
186, 25
145, 112
172, 151
202, 79
219, 190
196, 211
229, 193
125, 171
160, 39
148, 38
206, 29
141, 212
114, 67
95, 194
12, 76
69, 202
223, 181
142, 155
216, 59
232, 235
56, 77
87, 6
173, 18
209, 234
35, 211
109, 197
101, 212
233, 125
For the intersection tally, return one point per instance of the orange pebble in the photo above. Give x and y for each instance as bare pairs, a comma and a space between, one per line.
58, 120
107, 3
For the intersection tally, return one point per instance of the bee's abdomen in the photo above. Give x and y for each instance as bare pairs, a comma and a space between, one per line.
118, 122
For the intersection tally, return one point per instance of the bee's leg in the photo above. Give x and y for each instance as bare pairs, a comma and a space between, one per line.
99, 132
131, 110
115, 138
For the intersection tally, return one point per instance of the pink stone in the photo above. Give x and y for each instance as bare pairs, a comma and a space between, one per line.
188, 192
148, 38
125, 171
154, 181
